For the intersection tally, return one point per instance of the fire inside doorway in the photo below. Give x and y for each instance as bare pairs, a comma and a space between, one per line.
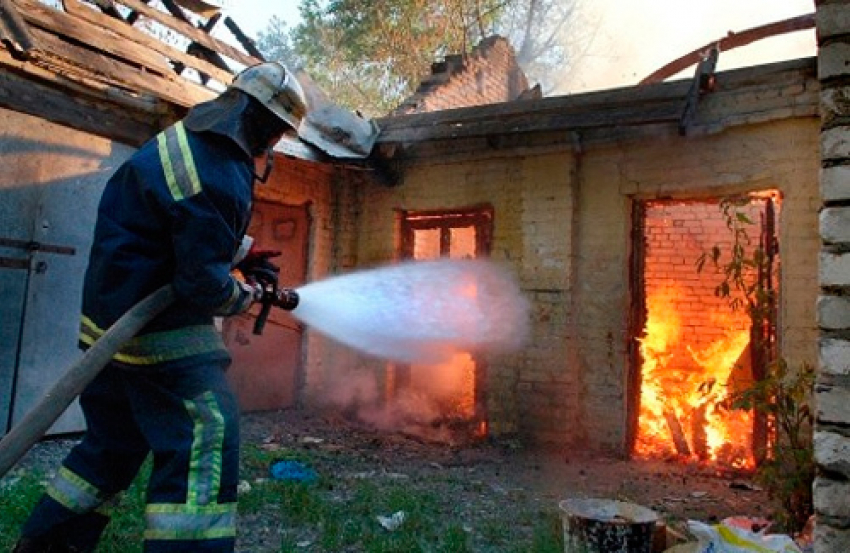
450, 398
704, 282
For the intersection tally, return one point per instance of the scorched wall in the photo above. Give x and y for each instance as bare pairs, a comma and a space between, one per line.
562, 222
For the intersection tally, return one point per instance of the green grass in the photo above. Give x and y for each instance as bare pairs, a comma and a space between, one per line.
21, 493
329, 515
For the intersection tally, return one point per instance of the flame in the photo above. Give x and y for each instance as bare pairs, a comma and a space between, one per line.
683, 388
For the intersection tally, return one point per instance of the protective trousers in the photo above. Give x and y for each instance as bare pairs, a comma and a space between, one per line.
188, 418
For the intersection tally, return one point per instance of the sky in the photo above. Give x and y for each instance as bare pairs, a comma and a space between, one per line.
631, 38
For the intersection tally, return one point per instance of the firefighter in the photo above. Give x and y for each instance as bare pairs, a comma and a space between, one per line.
175, 212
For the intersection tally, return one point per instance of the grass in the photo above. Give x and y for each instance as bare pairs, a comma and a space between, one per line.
330, 514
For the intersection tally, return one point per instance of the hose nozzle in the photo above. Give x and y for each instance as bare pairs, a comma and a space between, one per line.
286, 298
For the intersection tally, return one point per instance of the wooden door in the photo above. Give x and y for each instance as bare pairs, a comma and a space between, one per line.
266, 369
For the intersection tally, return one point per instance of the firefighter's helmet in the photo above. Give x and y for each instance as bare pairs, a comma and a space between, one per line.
274, 86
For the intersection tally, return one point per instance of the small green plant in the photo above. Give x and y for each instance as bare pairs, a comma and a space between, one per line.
789, 468
780, 395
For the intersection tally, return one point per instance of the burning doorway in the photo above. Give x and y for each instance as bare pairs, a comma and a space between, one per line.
704, 276
450, 396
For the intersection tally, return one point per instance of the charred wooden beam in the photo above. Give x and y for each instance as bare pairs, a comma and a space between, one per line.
108, 7
127, 32
52, 103
243, 39
190, 31
90, 37
733, 40
699, 434
702, 83
676, 432
60, 55
14, 32
134, 15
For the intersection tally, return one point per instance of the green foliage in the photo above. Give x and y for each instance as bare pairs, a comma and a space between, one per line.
370, 56
782, 395
789, 470
745, 258
275, 44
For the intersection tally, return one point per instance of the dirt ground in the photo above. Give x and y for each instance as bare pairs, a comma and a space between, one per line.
483, 480
504, 477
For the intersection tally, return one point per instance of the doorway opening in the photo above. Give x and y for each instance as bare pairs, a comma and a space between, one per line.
450, 397
704, 326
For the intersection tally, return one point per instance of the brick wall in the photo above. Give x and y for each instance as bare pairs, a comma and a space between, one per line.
487, 75
832, 391
563, 222
332, 206
677, 234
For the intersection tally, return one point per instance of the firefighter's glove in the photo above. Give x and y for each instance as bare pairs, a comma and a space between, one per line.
256, 266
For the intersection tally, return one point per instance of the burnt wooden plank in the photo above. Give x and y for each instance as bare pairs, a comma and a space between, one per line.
14, 32
87, 87
128, 32
190, 31
530, 123
553, 105
243, 39
116, 122
57, 52
61, 23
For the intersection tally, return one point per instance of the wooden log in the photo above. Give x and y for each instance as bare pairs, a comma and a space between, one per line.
676, 432
128, 32
699, 436
607, 526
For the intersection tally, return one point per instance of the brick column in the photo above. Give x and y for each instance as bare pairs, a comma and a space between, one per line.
832, 391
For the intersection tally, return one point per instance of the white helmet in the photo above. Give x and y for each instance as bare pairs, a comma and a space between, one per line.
274, 86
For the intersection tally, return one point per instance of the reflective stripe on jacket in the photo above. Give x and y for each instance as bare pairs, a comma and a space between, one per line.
175, 212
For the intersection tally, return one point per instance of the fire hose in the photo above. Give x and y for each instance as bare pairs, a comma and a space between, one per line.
41, 417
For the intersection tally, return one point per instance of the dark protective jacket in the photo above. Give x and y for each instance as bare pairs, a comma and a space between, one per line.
175, 212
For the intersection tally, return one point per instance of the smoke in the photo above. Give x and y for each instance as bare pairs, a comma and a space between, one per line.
413, 411
421, 312
634, 39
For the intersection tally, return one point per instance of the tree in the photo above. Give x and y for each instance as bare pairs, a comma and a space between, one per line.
371, 56
274, 43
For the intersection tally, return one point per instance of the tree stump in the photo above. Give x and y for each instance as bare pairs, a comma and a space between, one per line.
606, 526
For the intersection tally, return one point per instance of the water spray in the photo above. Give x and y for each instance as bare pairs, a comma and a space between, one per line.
415, 312
419, 312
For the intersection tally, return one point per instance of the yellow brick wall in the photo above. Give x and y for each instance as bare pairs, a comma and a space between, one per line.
570, 383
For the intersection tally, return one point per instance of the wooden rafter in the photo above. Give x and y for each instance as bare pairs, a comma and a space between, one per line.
730, 41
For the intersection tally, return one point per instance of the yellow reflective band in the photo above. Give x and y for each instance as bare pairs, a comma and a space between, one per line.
75, 493
188, 160
178, 164
165, 161
190, 522
205, 461
159, 347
